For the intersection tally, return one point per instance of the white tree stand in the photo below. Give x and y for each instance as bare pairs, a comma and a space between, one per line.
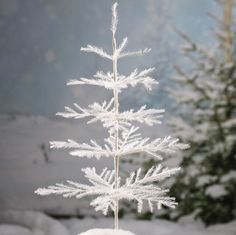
106, 232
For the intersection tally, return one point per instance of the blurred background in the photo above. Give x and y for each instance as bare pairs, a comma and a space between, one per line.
193, 51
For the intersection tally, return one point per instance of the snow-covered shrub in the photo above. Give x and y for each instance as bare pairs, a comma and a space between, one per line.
206, 91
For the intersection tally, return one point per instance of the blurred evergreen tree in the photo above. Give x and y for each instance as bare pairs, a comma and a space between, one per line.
205, 91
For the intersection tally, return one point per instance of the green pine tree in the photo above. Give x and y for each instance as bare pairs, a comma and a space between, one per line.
206, 93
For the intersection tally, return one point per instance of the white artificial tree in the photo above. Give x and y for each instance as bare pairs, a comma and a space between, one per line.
123, 139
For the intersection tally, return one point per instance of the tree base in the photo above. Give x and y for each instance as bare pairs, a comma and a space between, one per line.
106, 232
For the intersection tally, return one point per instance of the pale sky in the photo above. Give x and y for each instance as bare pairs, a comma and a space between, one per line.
40, 44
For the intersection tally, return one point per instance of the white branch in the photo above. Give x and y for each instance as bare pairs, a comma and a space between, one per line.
96, 50
83, 150
145, 190
106, 80
114, 21
100, 79
143, 115
122, 46
134, 143
135, 53
96, 111
130, 142
70, 144
106, 114
103, 185
136, 78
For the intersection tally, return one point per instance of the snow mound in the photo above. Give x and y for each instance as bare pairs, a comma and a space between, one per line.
216, 191
154, 227
29, 222
106, 232
6, 229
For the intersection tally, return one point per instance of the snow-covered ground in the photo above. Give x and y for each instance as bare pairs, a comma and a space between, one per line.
98, 231
30, 223
24, 168
155, 227
35, 223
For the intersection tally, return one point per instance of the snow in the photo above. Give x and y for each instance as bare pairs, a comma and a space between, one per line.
6, 229
23, 168
224, 229
36, 223
204, 179
106, 232
29, 222
216, 191
184, 129
191, 219
155, 227
227, 177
